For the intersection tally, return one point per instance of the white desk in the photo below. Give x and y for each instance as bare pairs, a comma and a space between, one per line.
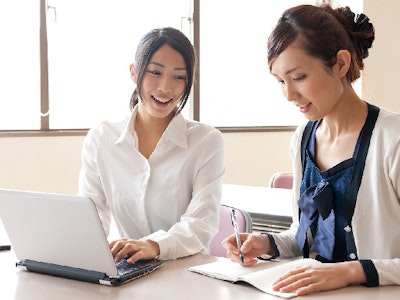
265, 205
171, 281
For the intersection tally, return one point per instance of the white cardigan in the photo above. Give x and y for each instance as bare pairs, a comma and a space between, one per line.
376, 219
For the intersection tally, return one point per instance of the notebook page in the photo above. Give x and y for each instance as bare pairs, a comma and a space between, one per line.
225, 269
264, 279
261, 275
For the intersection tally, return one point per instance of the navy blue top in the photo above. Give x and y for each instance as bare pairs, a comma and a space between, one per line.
339, 178
328, 200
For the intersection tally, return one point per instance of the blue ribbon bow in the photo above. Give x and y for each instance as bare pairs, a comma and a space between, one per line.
316, 203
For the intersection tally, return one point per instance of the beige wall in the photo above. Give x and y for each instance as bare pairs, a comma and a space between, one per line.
52, 163
48, 164
383, 65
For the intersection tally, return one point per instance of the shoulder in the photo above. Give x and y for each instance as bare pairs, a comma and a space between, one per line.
107, 129
201, 132
388, 123
388, 117
198, 128
298, 134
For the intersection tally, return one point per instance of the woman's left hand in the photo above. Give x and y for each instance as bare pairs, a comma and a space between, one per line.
327, 276
135, 249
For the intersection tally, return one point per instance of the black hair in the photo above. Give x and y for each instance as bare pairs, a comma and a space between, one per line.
149, 44
322, 31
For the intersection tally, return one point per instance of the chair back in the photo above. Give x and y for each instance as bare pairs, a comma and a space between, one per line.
283, 180
226, 229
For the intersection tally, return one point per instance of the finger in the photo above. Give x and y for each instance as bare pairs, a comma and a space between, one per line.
229, 242
303, 286
126, 250
292, 281
115, 249
111, 244
235, 257
249, 261
230, 247
117, 246
246, 246
291, 273
135, 257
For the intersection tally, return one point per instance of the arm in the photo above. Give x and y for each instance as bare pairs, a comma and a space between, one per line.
186, 221
377, 241
198, 225
286, 241
89, 184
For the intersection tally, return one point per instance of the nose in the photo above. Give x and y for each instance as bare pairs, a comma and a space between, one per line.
164, 84
290, 92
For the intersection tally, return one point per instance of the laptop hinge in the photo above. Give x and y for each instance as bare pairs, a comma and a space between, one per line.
61, 271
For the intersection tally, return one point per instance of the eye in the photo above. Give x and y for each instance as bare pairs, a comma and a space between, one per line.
181, 77
154, 72
300, 78
281, 82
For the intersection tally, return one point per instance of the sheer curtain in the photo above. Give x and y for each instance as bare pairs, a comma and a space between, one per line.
19, 65
236, 87
91, 45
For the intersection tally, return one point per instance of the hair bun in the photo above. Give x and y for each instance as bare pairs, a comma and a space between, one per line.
362, 30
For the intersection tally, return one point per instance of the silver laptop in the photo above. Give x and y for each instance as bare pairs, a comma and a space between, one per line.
62, 235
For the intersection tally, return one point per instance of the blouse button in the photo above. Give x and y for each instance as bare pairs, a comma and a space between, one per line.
347, 228
353, 256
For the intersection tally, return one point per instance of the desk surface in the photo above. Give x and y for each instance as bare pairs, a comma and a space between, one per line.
171, 281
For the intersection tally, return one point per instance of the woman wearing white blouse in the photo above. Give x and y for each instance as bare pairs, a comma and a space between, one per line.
157, 174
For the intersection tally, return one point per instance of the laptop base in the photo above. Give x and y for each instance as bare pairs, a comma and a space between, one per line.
143, 267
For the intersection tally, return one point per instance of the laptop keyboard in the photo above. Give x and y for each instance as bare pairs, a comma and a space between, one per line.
124, 267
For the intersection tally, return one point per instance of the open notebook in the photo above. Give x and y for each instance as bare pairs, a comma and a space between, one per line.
62, 235
261, 275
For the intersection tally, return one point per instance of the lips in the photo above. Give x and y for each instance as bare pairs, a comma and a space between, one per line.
162, 100
304, 105
304, 108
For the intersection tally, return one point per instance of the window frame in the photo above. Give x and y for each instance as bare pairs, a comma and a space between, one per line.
44, 89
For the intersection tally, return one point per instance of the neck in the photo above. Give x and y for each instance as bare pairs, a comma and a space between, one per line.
150, 125
348, 116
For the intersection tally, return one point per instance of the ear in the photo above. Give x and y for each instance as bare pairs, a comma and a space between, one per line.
343, 60
133, 74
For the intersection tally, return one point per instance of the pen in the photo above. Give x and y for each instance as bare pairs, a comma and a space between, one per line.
235, 227
5, 247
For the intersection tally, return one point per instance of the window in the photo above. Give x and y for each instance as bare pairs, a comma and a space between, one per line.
236, 87
91, 43
20, 65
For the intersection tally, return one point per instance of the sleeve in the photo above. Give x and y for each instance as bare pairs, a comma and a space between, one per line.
89, 183
388, 271
199, 224
370, 273
286, 241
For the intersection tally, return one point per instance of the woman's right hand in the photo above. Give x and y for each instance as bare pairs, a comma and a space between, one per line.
253, 245
135, 249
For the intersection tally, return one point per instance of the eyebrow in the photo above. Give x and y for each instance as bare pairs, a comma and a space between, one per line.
162, 66
288, 71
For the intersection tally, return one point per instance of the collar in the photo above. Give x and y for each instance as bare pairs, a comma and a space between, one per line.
176, 131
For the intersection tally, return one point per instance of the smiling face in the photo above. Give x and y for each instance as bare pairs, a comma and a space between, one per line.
163, 83
308, 83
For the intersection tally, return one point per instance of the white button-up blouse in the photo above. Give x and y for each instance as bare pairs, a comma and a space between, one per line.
171, 198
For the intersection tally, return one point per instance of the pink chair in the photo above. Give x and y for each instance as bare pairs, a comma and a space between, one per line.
226, 229
283, 180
